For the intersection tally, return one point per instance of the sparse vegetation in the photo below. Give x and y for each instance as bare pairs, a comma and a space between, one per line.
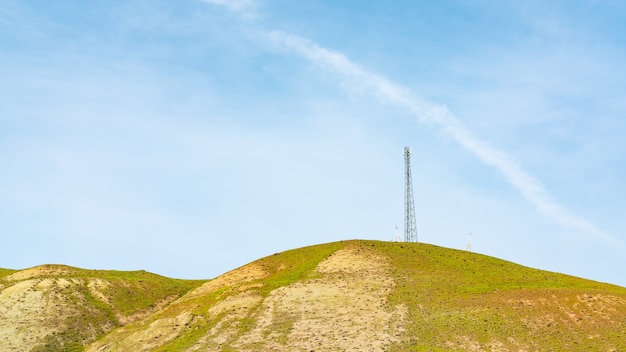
294, 265
136, 291
5, 272
401, 296
73, 307
482, 301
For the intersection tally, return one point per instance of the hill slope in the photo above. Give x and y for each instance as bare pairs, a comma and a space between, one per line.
61, 308
368, 296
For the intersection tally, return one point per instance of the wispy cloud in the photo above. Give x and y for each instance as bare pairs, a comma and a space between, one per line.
429, 113
245, 8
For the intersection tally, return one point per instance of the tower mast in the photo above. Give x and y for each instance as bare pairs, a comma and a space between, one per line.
410, 227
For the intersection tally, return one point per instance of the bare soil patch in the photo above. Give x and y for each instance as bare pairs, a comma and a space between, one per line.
247, 273
39, 271
28, 312
343, 307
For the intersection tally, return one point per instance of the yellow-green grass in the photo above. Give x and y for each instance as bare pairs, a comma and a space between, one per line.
5, 272
126, 292
294, 265
133, 291
282, 269
457, 298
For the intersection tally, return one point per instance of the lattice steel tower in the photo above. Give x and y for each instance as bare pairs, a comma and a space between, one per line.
410, 227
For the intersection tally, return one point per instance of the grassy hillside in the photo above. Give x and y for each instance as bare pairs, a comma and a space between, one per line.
369, 295
463, 300
223, 308
342, 296
5, 272
61, 308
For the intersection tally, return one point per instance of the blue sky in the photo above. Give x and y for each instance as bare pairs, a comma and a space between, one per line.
188, 138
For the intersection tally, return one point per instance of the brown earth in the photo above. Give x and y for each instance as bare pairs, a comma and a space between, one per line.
344, 296
36, 309
56, 307
344, 306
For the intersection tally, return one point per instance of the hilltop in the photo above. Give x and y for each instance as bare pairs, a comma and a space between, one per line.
61, 308
342, 296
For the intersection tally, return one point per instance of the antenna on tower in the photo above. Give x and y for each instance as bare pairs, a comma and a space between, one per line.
410, 227
469, 242
397, 237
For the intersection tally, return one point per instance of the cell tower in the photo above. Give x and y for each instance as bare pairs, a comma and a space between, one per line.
410, 227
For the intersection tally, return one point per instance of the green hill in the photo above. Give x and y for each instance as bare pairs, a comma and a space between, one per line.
342, 296
61, 308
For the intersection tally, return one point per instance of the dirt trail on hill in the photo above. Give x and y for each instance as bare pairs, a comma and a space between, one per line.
342, 306
345, 306
331, 297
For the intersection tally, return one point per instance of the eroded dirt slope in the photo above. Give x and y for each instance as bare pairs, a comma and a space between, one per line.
342, 305
342, 296
57, 308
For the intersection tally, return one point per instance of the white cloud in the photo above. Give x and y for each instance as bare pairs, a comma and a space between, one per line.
426, 112
245, 8
362, 80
